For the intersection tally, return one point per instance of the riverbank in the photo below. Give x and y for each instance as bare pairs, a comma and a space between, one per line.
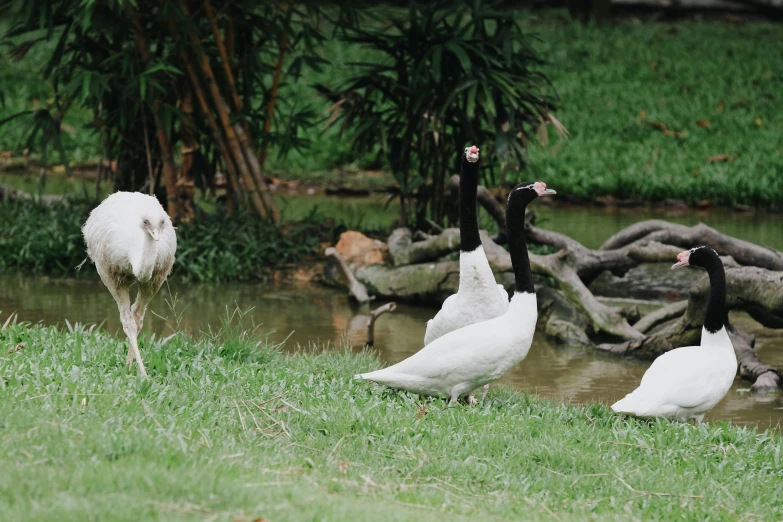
229, 429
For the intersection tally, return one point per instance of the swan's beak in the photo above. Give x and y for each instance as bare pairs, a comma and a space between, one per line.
541, 190
472, 154
155, 234
682, 259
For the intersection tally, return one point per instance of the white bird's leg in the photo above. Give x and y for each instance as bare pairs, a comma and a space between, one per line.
122, 297
146, 293
698, 419
484, 391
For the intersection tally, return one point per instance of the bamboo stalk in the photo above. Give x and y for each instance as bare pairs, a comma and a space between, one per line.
233, 170
188, 147
237, 139
223, 54
169, 170
270, 108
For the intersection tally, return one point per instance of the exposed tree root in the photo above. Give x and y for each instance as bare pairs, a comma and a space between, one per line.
666, 313
374, 315
358, 290
744, 252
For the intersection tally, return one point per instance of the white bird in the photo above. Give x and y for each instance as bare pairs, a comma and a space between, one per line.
466, 359
688, 382
131, 240
478, 297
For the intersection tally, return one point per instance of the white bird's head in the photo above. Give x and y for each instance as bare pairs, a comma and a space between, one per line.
154, 224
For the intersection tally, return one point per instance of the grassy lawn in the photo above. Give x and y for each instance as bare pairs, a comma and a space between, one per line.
229, 429
715, 85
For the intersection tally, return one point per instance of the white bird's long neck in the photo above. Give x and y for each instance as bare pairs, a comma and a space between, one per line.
144, 262
468, 219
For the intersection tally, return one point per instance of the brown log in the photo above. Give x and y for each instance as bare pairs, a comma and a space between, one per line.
744, 252
388, 307
167, 157
358, 290
404, 251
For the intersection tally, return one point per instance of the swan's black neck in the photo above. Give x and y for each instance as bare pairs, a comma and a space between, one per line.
468, 219
715, 317
515, 221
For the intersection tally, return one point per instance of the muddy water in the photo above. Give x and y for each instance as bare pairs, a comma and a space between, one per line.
305, 315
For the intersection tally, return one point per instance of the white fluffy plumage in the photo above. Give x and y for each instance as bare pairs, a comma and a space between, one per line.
479, 298
131, 240
684, 383
466, 359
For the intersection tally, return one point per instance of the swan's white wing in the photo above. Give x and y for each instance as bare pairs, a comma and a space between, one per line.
445, 321
683, 378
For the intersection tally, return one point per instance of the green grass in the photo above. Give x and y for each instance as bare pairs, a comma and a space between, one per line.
677, 73
227, 428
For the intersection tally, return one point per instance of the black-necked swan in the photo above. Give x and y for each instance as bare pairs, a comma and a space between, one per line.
466, 359
478, 297
686, 383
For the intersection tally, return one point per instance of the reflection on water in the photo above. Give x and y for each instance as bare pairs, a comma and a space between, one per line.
307, 314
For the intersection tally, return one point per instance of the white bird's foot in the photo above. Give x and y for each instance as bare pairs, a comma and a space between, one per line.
472, 400
484, 391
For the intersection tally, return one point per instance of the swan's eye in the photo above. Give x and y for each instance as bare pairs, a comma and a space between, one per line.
162, 222
146, 223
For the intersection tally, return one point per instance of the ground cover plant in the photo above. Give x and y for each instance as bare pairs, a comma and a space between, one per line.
228, 427
47, 239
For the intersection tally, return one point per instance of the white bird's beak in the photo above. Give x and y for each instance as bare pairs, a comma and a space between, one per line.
155, 234
682, 259
541, 190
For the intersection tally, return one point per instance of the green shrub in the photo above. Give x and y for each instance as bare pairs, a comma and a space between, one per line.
47, 240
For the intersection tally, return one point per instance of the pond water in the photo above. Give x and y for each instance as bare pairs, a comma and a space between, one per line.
305, 315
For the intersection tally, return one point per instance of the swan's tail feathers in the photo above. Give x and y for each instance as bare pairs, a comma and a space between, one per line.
376, 376
637, 405
622, 406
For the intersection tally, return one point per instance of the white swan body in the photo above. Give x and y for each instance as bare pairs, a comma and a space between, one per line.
461, 361
479, 298
685, 383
